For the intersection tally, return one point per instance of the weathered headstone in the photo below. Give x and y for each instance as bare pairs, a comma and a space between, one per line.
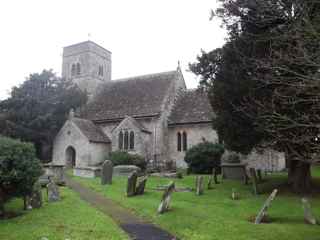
234, 194
259, 175
199, 185
215, 175
141, 185
106, 172
263, 211
210, 182
131, 185
53, 191
254, 181
166, 198
308, 216
36, 196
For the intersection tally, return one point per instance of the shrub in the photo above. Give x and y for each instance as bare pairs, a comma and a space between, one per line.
203, 157
124, 158
19, 169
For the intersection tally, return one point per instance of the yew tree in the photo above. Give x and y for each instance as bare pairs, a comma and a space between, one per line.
264, 83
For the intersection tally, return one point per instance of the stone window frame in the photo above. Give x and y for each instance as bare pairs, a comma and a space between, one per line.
126, 140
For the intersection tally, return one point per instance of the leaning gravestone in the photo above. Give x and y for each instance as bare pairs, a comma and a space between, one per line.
106, 173
36, 196
166, 197
199, 185
263, 211
53, 191
254, 181
141, 185
308, 216
131, 185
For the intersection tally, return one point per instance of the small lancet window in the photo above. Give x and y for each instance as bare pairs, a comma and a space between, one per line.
73, 70
126, 140
184, 141
179, 142
131, 140
120, 140
78, 69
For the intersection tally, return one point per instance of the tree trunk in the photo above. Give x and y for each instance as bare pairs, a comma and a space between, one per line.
299, 176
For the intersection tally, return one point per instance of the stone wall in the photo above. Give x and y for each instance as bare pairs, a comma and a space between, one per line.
87, 153
196, 133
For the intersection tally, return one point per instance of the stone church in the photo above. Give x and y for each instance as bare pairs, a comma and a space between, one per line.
153, 115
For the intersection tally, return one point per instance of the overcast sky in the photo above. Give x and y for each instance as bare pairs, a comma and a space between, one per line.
144, 36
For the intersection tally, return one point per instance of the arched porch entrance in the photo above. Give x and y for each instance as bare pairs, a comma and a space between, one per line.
70, 157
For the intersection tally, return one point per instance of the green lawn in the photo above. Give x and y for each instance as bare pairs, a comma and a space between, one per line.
214, 215
71, 218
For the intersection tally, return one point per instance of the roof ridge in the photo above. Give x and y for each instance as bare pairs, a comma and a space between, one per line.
147, 76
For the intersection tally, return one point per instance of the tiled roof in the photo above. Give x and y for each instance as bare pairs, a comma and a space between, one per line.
91, 131
138, 125
192, 106
137, 97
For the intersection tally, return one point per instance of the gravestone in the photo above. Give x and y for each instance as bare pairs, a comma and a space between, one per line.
210, 182
141, 185
53, 191
131, 185
106, 172
259, 175
166, 198
199, 185
254, 181
36, 196
215, 175
308, 216
234, 195
263, 211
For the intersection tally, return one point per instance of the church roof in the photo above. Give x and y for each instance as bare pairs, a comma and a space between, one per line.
192, 106
140, 96
91, 131
138, 124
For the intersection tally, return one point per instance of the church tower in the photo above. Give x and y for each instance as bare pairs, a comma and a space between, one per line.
87, 64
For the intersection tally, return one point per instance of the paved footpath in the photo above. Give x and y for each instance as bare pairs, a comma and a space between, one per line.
134, 226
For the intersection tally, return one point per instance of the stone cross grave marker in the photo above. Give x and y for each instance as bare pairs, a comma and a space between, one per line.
166, 198
106, 173
36, 196
131, 185
141, 185
254, 181
308, 216
263, 211
53, 191
199, 185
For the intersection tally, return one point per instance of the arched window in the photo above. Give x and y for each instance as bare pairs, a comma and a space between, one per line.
179, 142
78, 69
131, 140
126, 140
120, 140
100, 72
73, 70
184, 140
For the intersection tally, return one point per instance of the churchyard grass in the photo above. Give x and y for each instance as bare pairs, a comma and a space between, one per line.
214, 215
70, 218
